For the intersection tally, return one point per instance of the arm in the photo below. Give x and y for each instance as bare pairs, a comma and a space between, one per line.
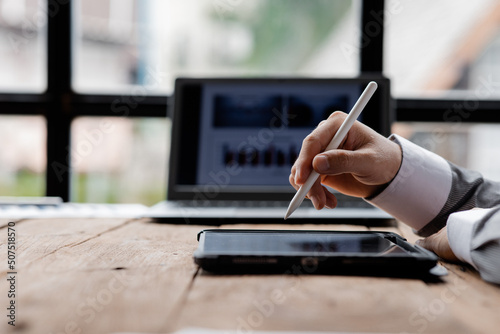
428, 189
414, 185
408, 182
471, 236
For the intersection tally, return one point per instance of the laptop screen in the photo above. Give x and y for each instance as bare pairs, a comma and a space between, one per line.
238, 138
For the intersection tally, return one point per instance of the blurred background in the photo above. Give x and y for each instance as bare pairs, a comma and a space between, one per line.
449, 49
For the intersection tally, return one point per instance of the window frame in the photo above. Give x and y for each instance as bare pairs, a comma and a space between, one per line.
59, 104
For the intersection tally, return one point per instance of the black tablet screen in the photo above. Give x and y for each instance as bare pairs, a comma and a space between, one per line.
300, 243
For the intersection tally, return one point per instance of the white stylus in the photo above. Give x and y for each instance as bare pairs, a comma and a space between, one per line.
334, 144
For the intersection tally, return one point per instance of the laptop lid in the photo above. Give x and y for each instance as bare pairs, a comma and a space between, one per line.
237, 138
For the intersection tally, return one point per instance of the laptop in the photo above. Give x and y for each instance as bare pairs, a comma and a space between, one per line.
234, 141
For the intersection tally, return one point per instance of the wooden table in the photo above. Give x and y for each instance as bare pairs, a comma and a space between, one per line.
116, 275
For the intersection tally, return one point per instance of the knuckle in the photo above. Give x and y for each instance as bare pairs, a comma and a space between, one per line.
343, 158
311, 139
299, 162
337, 114
336, 119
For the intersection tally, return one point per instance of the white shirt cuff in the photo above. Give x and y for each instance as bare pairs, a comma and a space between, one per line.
420, 189
460, 228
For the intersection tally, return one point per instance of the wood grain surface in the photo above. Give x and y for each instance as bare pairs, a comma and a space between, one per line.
117, 275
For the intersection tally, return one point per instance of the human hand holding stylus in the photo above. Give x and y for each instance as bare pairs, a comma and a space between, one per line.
334, 144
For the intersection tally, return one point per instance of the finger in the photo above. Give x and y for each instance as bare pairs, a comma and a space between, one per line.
291, 179
317, 195
426, 243
322, 122
438, 243
323, 198
331, 200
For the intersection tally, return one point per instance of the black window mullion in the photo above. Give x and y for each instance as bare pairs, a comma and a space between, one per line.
372, 36
59, 93
120, 106
448, 111
22, 104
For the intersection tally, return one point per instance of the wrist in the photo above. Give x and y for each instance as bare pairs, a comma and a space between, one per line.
377, 190
394, 165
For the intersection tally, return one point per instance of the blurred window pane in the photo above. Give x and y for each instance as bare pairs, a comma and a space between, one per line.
23, 35
22, 155
119, 160
473, 146
122, 43
443, 49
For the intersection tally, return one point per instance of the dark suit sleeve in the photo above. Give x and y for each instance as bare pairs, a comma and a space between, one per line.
468, 190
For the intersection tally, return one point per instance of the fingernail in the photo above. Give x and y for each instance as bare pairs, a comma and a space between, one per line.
297, 173
329, 204
321, 163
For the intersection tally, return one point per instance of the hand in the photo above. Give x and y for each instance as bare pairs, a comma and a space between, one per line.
364, 162
439, 244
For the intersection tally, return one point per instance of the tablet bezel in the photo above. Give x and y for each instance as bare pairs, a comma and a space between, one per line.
419, 261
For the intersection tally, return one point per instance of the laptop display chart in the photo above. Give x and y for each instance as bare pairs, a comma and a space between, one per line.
255, 132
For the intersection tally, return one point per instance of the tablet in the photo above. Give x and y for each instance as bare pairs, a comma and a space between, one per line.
310, 252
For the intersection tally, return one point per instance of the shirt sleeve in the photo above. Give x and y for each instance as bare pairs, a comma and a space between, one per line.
460, 231
474, 237
420, 189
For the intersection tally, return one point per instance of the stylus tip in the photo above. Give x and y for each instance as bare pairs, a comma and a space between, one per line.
294, 204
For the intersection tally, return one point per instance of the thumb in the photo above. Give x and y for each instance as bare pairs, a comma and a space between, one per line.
342, 161
424, 243
439, 244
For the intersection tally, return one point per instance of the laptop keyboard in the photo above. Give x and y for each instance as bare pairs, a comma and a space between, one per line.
268, 204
